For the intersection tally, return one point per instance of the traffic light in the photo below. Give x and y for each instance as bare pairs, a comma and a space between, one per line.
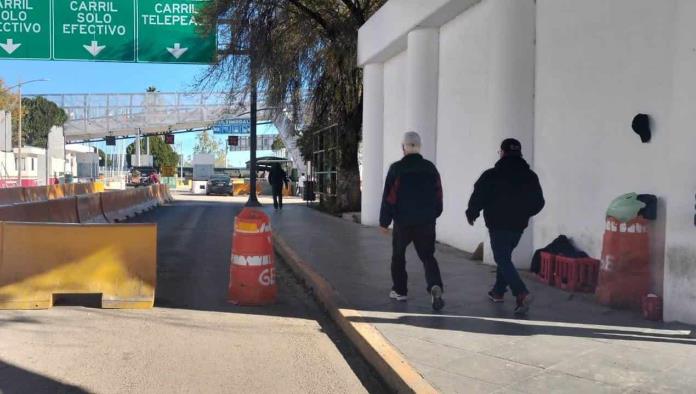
232, 140
169, 139
110, 140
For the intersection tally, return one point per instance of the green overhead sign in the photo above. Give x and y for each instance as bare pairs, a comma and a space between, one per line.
163, 31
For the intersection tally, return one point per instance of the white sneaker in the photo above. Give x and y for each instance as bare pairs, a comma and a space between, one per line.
396, 296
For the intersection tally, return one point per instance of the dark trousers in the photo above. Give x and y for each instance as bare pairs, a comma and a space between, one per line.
277, 197
503, 242
423, 238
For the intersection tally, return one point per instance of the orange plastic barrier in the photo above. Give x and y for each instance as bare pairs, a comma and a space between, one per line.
62, 210
12, 195
89, 209
624, 274
252, 269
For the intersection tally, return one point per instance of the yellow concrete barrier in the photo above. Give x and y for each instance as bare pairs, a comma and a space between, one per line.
39, 260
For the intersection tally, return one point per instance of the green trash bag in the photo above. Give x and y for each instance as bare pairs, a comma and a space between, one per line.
625, 207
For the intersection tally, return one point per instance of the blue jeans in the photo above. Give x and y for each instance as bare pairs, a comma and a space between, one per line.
503, 242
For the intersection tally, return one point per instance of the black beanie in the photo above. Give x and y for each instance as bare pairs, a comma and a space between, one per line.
511, 146
641, 125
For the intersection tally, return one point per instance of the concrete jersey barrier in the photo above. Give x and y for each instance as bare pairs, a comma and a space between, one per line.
36, 193
111, 206
39, 260
89, 209
63, 210
11, 195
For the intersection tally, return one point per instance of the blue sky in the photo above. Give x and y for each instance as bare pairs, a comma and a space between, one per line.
94, 77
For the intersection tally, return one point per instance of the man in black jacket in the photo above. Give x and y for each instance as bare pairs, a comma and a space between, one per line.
509, 194
413, 200
277, 178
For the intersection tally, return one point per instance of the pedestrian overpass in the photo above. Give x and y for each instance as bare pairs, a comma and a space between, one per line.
96, 116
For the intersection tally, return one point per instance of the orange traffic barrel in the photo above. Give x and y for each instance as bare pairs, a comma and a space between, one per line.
252, 267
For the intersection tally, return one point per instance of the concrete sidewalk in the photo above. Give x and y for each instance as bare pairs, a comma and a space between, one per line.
567, 344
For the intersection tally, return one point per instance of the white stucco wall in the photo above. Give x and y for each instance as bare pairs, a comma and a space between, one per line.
594, 74
486, 84
395, 71
570, 98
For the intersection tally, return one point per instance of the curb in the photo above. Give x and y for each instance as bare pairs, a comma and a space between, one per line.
388, 361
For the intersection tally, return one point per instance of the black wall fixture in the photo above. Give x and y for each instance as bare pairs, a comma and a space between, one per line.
641, 125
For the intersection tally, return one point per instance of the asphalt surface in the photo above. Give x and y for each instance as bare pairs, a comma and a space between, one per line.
193, 341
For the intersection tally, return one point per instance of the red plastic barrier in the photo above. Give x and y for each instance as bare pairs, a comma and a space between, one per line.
252, 269
11, 195
624, 275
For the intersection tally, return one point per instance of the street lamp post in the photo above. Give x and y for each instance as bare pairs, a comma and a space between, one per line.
19, 143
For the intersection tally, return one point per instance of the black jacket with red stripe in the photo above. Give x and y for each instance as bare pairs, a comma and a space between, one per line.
412, 193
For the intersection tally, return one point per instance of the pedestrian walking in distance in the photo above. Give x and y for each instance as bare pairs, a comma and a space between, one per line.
509, 194
413, 201
277, 178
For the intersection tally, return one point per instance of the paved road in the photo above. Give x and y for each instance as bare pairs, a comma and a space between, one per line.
193, 341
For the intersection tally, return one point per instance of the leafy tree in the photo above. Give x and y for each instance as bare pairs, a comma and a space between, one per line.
278, 144
304, 58
39, 116
8, 101
206, 143
162, 153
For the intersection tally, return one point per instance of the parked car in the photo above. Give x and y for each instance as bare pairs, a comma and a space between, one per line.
219, 184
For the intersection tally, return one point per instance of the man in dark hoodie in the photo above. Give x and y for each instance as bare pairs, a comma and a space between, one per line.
277, 178
509, 194
413, 201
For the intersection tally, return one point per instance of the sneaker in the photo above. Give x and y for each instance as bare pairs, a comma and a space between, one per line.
523, 302
495, 297
396, 296
438, 302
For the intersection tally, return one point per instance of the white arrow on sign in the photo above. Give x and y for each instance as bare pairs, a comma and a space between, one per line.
94, 48
10, 46
177, 51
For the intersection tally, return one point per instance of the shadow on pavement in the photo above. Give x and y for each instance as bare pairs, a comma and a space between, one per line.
496, 326
18, 380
